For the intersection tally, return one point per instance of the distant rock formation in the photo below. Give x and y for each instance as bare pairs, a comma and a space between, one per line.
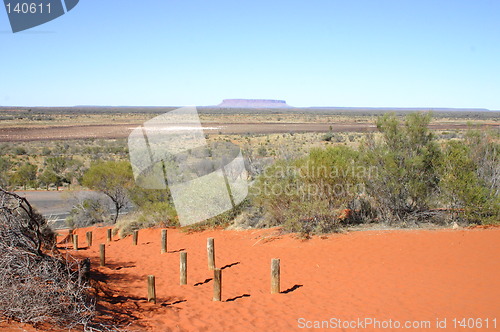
253, 103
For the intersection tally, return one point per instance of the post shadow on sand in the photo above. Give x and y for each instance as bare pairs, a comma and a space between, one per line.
291, 289
97, 275
172, 303
229, 265
237, 297
174, 251
206, 281
123, 267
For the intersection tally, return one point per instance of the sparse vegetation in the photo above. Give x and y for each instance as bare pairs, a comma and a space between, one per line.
410, 173
37, 284
399, 177
113, 179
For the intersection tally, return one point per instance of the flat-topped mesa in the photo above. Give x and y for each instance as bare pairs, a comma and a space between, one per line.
253, 103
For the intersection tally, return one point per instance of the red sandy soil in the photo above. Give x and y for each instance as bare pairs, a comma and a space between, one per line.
418, 275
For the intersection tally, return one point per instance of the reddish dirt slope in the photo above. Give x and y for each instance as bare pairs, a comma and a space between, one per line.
383, 275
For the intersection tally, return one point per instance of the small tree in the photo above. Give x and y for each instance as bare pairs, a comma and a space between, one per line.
471, 178
408, 161
113, 179
48, 177
307, 194
25, 175
90, 209
5, 165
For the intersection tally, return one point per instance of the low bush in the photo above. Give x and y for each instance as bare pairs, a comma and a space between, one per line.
156, 214
306, 195
471, 178
38, 285
402, 177
91, 209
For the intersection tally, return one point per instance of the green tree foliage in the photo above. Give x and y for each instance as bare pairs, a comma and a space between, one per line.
306, 195
155, 207
25, 175
471, 178
89, 210
67, 168
113, 178
5, 165
49, 177
407, 160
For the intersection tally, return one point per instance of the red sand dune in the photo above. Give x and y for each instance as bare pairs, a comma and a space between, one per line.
380, 275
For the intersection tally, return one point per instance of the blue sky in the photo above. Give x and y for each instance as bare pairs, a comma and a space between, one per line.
311, 53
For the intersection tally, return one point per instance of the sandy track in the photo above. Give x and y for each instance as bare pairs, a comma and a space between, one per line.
10, 134
398, 275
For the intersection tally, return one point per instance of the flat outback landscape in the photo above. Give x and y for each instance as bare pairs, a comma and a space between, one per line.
340, 172
31, 124
380, 253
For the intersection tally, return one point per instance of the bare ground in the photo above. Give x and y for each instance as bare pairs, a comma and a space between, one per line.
110, 131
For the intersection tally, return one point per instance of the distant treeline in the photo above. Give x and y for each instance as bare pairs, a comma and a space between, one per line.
472, 113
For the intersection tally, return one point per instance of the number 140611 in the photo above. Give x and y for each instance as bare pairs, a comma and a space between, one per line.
28, 8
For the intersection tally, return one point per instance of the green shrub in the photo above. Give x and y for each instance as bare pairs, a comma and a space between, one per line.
305, 195
470, 178
114, 179
158, 214
407, 161
25, 176
129, 223
20, 151
89, 211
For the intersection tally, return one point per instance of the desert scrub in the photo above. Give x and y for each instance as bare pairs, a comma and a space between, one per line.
304, 195
157, 214
407, 160
471, 178
90, 209
37, 283
222, 220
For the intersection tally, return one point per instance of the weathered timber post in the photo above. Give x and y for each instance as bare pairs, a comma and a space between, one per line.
134, 237
89, 239
183, 268
163, 241
102, 254
151, 289
275, 276
211, 253
217, 285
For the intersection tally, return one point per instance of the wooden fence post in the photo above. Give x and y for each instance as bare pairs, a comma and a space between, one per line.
217, 285
102, 254
110, 235
89, 239
183, 268
75, 241
211, 253
275, 276
134, 237
163, 241
84, 270
151, 289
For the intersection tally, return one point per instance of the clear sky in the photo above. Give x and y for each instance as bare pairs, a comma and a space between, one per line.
372, 53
